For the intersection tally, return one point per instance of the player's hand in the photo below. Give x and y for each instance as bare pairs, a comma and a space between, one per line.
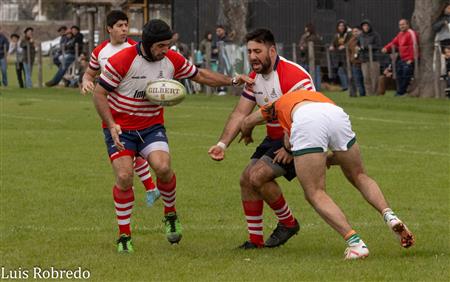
247, 139
242, 78
384, 50
216, 153
282, 156
115, 132
246, 133
87, 86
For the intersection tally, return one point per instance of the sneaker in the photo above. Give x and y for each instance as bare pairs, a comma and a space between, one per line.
250, 245
173, 228
222, 93
281, 235
124, 244
402, 232
152, 196
356, 251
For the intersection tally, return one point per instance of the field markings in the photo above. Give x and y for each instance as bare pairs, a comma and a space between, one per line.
410, 122
32, 118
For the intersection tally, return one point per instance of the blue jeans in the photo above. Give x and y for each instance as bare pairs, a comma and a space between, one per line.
341, 72
4, 73
28, 71
317, 76
65, 64
358, 80
404, 74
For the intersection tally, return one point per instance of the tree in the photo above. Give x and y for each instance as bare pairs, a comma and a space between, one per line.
424, 13
235, 14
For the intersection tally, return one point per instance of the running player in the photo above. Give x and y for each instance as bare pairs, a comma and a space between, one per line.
132, 125
117, 27
315, 124
274, 76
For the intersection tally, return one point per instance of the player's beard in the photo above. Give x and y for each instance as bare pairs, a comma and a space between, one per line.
265, 65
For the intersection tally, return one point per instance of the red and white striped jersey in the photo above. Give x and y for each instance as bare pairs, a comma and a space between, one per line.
102, 52
125, 77
286, 77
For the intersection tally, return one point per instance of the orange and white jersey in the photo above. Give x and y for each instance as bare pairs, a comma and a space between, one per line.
125, 77
286, 77
102, 52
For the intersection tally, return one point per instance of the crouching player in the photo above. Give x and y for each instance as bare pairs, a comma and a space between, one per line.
313, 124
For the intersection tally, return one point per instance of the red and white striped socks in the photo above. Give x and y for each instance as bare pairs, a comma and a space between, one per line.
254, 215
142, 169
123, 202
282, 211
168, 194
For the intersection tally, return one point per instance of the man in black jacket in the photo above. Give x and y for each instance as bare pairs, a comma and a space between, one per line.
371, 70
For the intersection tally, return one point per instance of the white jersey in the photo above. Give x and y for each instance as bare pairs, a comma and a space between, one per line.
104, 51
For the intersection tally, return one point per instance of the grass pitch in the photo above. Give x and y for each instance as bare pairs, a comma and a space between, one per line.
57, 210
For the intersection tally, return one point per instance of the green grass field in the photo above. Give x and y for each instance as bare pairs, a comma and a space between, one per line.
57, 210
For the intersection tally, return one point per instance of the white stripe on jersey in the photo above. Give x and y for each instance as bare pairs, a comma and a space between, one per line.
138, 106
298, 86
117, 109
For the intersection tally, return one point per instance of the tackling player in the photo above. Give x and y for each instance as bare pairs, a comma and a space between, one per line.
274, 76
117, 27
315, 124
132, 125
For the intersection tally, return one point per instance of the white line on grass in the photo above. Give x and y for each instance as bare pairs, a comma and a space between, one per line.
410, 122
31, 118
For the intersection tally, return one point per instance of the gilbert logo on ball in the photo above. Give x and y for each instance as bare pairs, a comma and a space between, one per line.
165, 92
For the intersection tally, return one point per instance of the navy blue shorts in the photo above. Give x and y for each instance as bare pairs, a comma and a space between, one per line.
266, 151
141, 142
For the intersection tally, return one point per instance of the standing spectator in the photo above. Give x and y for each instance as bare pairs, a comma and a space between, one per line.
4, 47
14, 47
341, 38
207, 39
357, 80
310, 35
407, 43
221, 38
78, 37
62, 30
179, 47
29, 53
447, 69
441, 26
370, 72
66, 59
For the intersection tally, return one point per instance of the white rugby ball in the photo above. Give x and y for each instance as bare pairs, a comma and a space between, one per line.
165, 92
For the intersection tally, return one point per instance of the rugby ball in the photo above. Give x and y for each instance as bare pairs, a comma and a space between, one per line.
165, 92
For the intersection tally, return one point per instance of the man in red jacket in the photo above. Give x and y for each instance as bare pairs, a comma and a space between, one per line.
407, 44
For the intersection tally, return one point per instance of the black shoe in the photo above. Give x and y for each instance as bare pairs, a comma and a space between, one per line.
281, 235
173, 228
124, 244
249, 245
50, 83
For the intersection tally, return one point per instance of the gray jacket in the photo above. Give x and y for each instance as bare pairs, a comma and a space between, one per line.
442, 29
369, 38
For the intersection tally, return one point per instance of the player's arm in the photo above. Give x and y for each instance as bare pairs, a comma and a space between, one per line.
101, 105
214, 79
232, 128
87, 84
249, 123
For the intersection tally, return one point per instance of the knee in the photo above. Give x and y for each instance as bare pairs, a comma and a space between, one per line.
256, 180
125, 179
162, 170
244, 180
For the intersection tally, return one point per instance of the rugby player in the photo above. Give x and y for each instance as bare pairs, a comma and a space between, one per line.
274, 76
117, 27
132, 125
315, 124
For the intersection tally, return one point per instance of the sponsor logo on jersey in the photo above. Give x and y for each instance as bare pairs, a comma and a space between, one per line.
139, 77
139, 94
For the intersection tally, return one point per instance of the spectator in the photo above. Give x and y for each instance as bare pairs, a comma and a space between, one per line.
357, 80
76, 80
29, 54
308, 36
4, 47
180, 47
407, 43
207, 39
221, 38
441, 26
66, 59
447, 69
338, 47
14, 47
62, 30
78, 37
370, 72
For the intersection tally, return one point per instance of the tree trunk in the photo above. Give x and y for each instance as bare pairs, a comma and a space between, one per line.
424, 13
235, 13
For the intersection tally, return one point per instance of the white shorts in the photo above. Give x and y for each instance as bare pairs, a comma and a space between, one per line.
319, 126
